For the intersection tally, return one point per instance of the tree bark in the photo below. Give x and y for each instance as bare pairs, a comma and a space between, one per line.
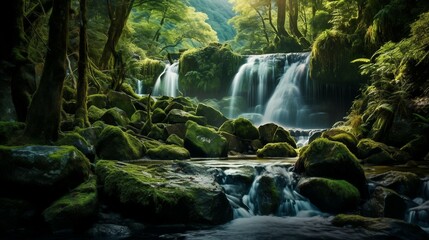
81, 116
293, 22
44, 115
118, 15
281, 18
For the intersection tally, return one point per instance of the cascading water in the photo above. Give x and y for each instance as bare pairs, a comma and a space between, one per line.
419, 214
167, 83
139, 87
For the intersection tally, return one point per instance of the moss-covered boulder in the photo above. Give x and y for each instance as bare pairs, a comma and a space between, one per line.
69, 93
98, 100
228, 127
329, 195
384, 202
244, 129
168, 152
40, 172
372, 152
388, 227
121, 101
158, 115
115, 144
178, 129
270, 133
75, 210
213, 116
180, 116
277, 150
265, 196
139, 117
158, 132
345, 137
90, 134
176, 140
163, 193
95, 113
8, 130
204, 142
188, 103
115, 116
417, 147
405, 183
329, 159
76, 140
234, 143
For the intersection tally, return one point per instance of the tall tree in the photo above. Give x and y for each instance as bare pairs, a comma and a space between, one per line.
118, 10
281, 18
43, 120
293, 6
81, 115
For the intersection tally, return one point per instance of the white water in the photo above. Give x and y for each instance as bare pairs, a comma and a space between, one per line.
139, 87
167, 83
420, 214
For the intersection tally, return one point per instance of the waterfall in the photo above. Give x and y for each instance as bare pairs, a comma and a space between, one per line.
167, 83
139, 87
272, 192
419, 214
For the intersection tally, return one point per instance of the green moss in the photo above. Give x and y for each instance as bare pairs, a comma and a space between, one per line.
227, 127
339, 135
95, 113
158, 115
244, 129
150, 70
69, 93
213, 116
282, 135
9, 130
180, 116
168, 152
115, 116
204, 142
276, 150
176, 140
121, 101
98, 100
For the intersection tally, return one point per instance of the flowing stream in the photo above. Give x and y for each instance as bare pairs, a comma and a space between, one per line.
167, 83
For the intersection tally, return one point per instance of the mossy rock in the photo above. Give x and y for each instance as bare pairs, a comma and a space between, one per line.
168, 152
121, 101
158, 132
417, 147
174, 105
372, 152
176, 140
333, 196
329, 159
9, 130
228, 127
204, 142
95, 113
158, 115
75, 210
388, 227
180, 116
76, 140
234, 143
178, 129
384, 202
244, 129
114, 144
187, 102
213, 116
282, 135
162, 103
163, 193
271, 133
69, 93
405, 183
98, 100
266, 196
90, 134
41, 172
276, 150
345, 137
115, 116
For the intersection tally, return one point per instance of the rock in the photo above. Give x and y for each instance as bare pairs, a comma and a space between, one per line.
384, 202
16, 214
333, 196
420, 214
271, 133
158, 115
176, 140
76, 140
417, 147
139, 117
75, 210
90, 134
95, 113
187, 102
277, 150
114, 144
98, 100
266, 198
41, 172
244, 129
234, 143
405, 183
329, 159
121, 101
393, 228
342, 136
179, 129
204, 142
174, 105
8, 130
213, 116
115, 116
161, 102
227, 127
377, 153
168, 152
180, 116
143, 192
157, 132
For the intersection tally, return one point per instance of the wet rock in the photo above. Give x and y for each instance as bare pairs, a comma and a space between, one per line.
329, 195
143, 192
176, 140
270, 133
179, 129
342, 136
277, 150
265, 196
420, 215
76, 140
213, 116
168, 152
204, 142
121, 101
405, 183
244, 129
234, 143
417, 147
385, 202
377, 153
180, 116
158, 115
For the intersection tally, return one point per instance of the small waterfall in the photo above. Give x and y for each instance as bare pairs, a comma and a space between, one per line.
420, 214
167, 83
139, 87
272, 192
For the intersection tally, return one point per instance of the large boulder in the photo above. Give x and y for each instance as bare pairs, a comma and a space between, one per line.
405, 183
168, 152
176, 140
384, 202
144, 192
114, 144
204, 142
417, 147
115, 116
121, 101
74, 210
276, 150
244, 129
180, 116
329, 195
378, 153
41, 171
98, 100
76, 140
345, 137
271, 133
329, 159
265, 197
95, 113
213, 116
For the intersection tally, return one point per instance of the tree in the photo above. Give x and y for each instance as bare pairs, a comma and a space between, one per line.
44, 114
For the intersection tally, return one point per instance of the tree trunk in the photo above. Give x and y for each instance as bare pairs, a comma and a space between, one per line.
281, 18
81, 116
43, 121
293, 22
118, 15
